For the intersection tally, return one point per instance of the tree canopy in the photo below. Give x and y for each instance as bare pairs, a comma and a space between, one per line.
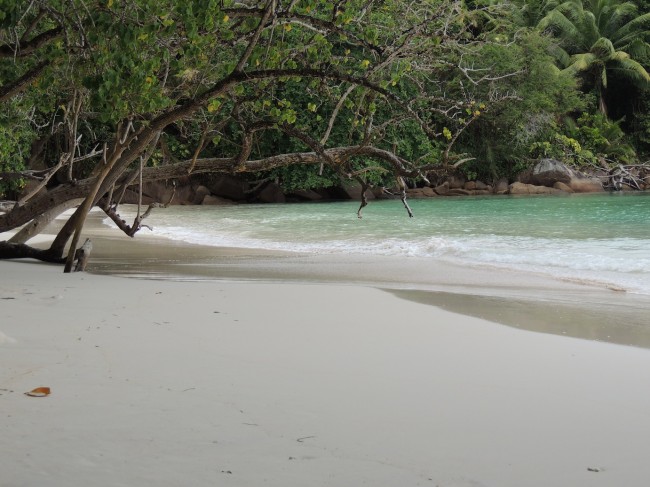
600, 36
99, 95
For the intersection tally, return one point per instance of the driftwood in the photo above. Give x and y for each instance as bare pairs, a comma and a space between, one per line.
635, 176
9, 250
81, 256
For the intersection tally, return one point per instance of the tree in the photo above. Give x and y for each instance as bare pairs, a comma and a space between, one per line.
108, 89
597, 37
501, 137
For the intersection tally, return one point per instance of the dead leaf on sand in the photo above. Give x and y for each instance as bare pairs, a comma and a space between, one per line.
39, 392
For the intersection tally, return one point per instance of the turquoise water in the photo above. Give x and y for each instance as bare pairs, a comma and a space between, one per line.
601, 238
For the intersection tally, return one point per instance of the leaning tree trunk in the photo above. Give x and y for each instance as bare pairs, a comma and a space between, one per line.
80, 215
10, 250
38, 224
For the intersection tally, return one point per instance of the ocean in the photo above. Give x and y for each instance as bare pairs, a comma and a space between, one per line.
596, 238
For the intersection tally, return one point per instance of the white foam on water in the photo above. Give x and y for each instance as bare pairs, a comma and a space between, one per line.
566, 250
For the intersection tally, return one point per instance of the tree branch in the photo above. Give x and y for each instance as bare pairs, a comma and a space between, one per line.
12, 89
25, 48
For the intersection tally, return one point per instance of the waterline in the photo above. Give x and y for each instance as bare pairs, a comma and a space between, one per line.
602, 239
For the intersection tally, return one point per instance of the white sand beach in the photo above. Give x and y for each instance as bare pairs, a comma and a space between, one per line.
167, 383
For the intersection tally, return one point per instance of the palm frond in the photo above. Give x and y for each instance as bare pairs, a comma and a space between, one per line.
531, 13
632, 30
615, 17
562, 57
639, 50
603, 48
549, 5
632, 70
581, 62
563, 28
572, 9
619, 56
589, 28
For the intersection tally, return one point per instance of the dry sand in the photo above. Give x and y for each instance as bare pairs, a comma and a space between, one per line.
240, 383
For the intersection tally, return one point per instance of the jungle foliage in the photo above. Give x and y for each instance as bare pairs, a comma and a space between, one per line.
132, 60
98, 95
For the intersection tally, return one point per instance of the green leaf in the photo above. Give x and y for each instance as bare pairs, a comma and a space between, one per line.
214, 105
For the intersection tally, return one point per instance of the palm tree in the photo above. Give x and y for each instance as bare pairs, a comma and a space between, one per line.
528, 13
597, 37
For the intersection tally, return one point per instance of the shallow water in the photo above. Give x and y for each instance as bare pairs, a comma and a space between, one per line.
602, 239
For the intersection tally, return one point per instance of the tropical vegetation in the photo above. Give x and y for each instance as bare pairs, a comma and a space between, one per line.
597, 38
100, 96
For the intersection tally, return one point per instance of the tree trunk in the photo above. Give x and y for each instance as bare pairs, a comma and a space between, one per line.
601, 90
17, 217
10, 250
40, 223
80, 215
602, 106
82, 254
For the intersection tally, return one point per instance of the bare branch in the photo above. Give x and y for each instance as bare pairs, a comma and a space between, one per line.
268, 11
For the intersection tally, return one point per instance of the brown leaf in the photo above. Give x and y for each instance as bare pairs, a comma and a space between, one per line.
39, 392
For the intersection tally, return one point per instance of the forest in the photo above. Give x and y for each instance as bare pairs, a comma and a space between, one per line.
99, 97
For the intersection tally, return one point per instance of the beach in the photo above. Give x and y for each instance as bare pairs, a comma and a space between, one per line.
243, 382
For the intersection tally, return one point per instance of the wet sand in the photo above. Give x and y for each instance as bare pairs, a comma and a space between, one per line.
526, 301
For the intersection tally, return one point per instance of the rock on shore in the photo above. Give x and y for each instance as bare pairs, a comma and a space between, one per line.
548, 176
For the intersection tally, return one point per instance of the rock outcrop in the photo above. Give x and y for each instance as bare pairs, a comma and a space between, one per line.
272, 193
563, 187
476, 186
585, 184
353, 190
211, 200
522, 188
306, 195
548, 176
549, 172
227, 186
501, 186
456, 182
442, 189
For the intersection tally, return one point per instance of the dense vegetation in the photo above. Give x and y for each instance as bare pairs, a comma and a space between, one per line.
99, 95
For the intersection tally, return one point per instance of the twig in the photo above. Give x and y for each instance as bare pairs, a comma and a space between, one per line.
300, 440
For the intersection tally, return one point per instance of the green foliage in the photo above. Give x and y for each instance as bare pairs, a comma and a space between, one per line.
8, 13
598, 36
15, 141
500, 138
433, 82
293, 178
560, 147
591, 140
603, 137
637, 123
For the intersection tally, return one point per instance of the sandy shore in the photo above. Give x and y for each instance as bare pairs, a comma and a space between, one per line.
232, 383
523, 300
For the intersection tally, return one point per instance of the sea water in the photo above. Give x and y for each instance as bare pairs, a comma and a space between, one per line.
601, 238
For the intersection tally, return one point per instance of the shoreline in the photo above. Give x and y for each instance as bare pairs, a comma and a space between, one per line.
288, 383
518, 299
512, 298
527, 301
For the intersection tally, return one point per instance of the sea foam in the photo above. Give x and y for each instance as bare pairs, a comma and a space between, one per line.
597, 239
